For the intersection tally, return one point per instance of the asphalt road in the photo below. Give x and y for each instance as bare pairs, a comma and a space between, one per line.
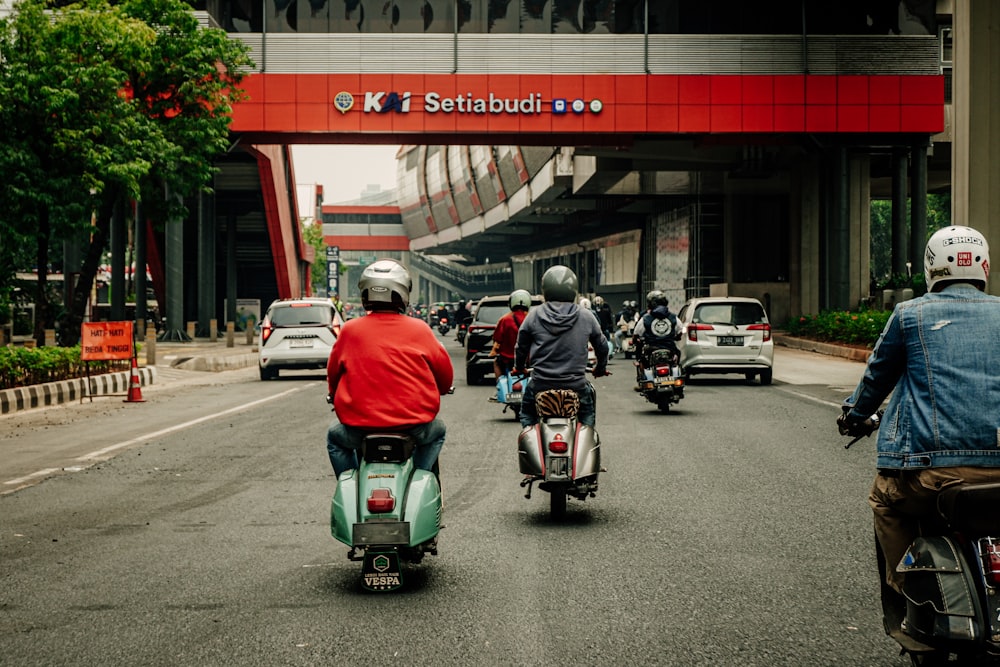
193, 529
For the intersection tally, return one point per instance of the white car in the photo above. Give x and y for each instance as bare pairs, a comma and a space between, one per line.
297, 333
727, 334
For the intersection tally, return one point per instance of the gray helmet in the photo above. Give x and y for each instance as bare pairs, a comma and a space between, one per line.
385, 283
559, 283
520, 298
653, 297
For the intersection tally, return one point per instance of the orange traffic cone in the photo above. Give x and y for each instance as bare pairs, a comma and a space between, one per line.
134, 390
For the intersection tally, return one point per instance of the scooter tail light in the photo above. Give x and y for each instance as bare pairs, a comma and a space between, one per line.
766, 328
517, 386
991, 556
381, 501
557, 445
662, 371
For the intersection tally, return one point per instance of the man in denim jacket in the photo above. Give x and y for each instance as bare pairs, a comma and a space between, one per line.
939, 356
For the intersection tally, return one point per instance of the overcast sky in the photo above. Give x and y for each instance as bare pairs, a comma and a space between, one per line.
343, 171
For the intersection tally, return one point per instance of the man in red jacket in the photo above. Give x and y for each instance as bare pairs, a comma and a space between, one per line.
505, 333
386, 372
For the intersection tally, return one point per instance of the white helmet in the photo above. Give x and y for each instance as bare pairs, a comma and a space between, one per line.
520, 298
956, 253
385, 282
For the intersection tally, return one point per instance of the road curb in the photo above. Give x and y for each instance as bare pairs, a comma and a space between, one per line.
217, 363
831, 349
55, 393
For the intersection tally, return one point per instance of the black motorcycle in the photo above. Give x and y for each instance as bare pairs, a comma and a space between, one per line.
951, 592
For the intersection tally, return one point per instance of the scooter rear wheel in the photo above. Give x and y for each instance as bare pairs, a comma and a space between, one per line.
557, 504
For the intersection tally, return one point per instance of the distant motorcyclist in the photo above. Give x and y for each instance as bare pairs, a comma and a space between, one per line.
387, 371
625, 319
554, 338
505, 333
938, 357
657, 329
462, 314
607, 320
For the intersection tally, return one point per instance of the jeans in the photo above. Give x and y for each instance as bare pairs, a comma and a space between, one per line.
586, 416
343, 443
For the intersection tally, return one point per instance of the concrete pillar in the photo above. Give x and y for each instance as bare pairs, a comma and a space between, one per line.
859, 212
900, 242
918, 205
975, 176
139, 277
174, 268
839, 234
150, 346
206, 265
804, 262
230, 333
119, 236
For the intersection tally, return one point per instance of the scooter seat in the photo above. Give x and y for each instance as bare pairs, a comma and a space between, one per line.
971, 508
387, 448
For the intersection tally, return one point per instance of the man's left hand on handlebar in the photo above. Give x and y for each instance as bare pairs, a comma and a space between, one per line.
857, 427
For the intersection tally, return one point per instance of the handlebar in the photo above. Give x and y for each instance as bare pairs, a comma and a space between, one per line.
858, 429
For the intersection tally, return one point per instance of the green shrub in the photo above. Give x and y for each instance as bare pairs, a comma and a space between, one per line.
21, 366
841, 326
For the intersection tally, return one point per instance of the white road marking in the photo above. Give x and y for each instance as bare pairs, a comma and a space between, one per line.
103, 454
811, 398
40, 473
97, 455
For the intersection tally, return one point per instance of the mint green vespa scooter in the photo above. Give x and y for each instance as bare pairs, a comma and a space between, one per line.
386, 510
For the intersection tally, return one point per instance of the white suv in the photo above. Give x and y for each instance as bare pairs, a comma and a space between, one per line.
297, 333
727, 334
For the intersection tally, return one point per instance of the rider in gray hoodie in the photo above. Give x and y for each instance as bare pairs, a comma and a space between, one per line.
553, 342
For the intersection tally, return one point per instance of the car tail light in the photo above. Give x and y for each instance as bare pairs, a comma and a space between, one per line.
766, 328
335, 328
693, 330
265, 332
381, 501
558, 445
662, 371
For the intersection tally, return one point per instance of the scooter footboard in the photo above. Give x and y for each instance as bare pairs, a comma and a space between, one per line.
344, 508
423, 507
588, 452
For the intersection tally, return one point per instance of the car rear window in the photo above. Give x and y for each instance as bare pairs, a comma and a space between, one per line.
739, 314
288, 316
490, 313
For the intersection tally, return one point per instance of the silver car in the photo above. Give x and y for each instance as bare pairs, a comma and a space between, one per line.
297, 333
728, 334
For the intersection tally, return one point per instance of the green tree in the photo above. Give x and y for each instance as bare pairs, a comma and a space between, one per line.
938, 216
312, 234
103, 104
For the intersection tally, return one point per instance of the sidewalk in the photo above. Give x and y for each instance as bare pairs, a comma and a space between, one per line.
171, 360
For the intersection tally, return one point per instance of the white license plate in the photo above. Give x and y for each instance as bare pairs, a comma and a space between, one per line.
300, 343
514, 397
729, 340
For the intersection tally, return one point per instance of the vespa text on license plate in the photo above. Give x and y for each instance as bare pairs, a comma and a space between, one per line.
729, 340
